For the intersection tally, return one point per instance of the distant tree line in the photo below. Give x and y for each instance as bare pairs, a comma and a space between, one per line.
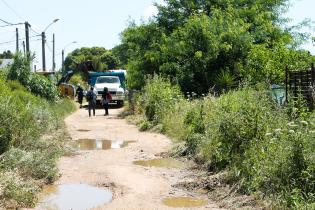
6, 55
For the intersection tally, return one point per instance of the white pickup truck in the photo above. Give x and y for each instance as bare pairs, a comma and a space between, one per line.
114, 87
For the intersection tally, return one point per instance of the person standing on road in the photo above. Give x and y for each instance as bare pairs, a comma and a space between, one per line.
91, 98
106, 98
79, 93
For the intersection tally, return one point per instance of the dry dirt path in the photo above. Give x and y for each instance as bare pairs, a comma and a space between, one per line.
134, 187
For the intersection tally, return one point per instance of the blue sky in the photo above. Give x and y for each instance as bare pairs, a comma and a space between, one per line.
90, 23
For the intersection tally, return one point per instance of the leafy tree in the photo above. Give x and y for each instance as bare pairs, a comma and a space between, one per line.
144, 54
6, 55
205, 43
101, 58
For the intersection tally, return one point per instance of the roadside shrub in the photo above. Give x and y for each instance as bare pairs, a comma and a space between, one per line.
283, 165
37, 84
267, 149
173, 120
15, 85
236, 119
159, 96
252, 137
42, 87
144, 125
24, 118
4, 73
34, 164
15, 191
19, 120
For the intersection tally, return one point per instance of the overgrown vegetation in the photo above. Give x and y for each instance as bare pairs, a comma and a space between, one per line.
214, 46
206, 44
29, 112
267, 149
36, 84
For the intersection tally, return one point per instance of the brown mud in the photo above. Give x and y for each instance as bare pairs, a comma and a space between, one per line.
130, 171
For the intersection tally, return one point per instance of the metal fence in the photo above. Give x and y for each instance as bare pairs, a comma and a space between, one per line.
301, 83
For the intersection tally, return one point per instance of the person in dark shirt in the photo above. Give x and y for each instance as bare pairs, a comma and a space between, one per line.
79, 93
106, 98
91, 98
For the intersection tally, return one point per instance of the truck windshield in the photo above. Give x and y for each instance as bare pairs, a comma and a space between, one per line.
107, 80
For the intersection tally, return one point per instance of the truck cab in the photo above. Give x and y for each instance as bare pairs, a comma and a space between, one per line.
114, 80
114, 87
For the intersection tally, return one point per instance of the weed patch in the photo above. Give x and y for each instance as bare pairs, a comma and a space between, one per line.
266, 149
27, 160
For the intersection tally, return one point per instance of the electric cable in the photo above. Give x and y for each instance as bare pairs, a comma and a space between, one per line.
6, 22
15, 40
3, 1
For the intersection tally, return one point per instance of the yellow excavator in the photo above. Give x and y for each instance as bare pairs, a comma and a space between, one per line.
68, 90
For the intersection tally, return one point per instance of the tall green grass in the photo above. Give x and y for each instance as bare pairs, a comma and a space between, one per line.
267, 149
27, 160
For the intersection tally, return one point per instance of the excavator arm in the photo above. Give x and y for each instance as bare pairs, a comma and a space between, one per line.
68, 90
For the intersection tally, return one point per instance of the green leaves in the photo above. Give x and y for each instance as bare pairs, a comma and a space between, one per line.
37, 84
102, 59
193, 42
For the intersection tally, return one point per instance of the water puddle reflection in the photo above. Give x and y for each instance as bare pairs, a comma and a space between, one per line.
162, 162
184, 202
73, 196
94, 144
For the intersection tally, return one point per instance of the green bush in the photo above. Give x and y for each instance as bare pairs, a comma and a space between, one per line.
251, 136
173, 120
234, 121
159, 96
34, 164
42, 87
37, 84
268, 149
16, 191
24, 118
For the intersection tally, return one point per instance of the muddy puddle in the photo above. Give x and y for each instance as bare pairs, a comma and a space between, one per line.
184, 202
94, 144
83, 130
73, 196
161, 162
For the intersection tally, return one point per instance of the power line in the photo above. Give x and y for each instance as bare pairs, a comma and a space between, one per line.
11, 25
6, 22
15, 40
34, 31
48, 47
3, 1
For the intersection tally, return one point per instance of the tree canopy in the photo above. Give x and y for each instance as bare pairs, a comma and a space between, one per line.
204, 43
6, 55
102, 59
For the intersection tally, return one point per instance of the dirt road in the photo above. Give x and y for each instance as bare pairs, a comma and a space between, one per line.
133, 186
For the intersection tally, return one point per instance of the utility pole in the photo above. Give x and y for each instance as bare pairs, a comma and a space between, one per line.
23, 47
27, 37
53, 61
17, 40
43, 50
63, 60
